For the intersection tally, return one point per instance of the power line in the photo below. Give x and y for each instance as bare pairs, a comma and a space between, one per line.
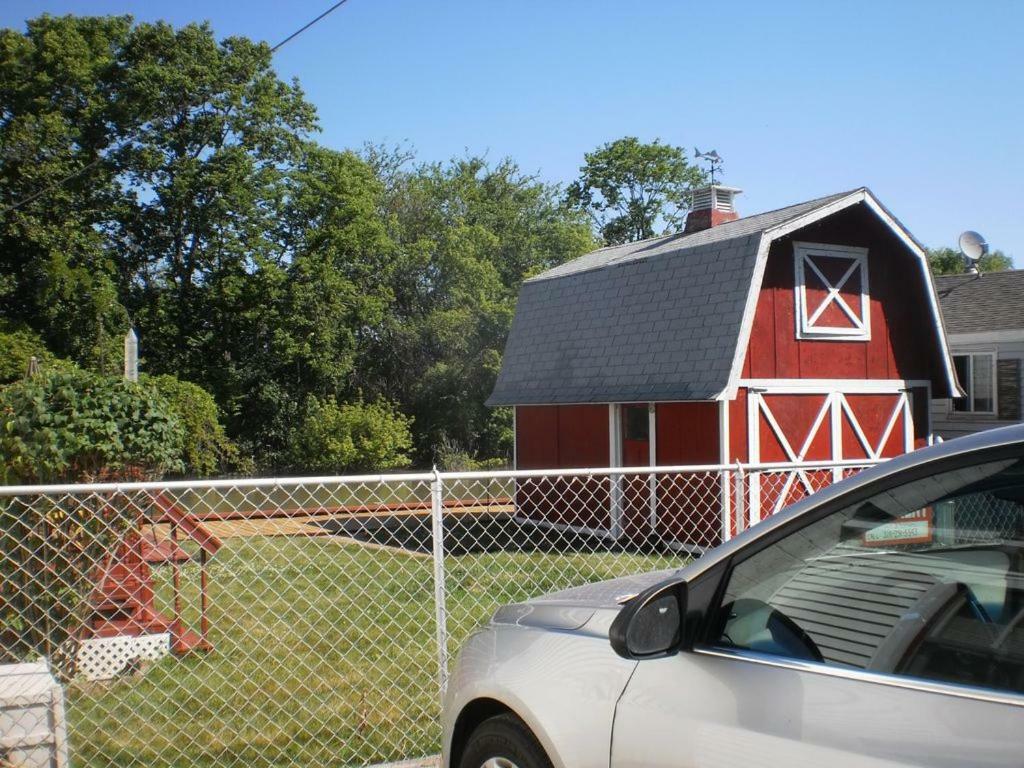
89, 166
302, 29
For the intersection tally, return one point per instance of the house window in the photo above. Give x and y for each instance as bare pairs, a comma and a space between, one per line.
976, 372
831, 292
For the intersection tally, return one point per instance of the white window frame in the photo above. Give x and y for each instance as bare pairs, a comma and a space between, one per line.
807, 326
968, 385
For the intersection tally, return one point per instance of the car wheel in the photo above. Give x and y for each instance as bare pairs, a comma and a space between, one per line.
503, 742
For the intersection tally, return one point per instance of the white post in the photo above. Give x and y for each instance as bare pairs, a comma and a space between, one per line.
652, 460
131, 356
440, 600
614, 480
739, 494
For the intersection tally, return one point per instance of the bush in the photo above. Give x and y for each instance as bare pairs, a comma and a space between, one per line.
71, 425
353, 437
18, 345
450, 456
66, 426
207, 449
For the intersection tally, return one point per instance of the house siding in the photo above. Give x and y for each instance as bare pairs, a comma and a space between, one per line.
947, 424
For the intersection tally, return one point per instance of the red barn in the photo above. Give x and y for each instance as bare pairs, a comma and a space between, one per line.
808, 333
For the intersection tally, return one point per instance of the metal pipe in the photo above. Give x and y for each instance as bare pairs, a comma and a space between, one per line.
440, 597
423, 477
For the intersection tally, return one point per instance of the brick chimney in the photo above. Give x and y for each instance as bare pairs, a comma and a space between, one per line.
712, 205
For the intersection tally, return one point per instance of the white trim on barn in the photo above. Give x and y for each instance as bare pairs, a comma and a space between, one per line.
723, 458
849, 386
615, 481
933, 297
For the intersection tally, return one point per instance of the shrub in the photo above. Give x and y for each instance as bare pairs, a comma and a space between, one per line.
207, 450
65, 426
18, 345
72, 425
352, 437
450, 456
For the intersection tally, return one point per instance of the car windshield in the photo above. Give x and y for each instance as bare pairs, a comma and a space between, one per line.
925, 579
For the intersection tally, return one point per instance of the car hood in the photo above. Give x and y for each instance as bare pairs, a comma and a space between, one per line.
571, 609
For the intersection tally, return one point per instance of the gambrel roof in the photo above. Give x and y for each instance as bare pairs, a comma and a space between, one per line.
665, 319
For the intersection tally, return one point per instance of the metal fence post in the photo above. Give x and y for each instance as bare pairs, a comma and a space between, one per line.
440, 598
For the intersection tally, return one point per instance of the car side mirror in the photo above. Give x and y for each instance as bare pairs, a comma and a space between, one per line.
651, 624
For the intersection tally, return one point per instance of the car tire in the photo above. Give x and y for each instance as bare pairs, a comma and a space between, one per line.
503, 742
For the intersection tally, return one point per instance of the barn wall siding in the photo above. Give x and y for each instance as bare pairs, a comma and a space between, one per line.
687, 433
689, 508
903, 342
563, 437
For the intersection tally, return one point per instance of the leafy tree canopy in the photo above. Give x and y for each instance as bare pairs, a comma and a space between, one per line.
631, 189
275, 274
949, 261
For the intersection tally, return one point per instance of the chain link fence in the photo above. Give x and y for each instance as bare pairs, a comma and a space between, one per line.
310, 622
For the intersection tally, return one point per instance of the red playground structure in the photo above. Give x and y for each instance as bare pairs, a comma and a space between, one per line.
125, 624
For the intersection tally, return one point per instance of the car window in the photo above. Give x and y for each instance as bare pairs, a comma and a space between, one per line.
925, 580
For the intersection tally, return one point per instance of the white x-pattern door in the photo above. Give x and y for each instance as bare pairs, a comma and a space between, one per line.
833, 426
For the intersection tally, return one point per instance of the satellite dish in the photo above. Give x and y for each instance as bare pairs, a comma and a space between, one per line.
973, 247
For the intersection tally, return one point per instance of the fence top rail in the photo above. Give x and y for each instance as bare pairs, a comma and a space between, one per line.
420, 477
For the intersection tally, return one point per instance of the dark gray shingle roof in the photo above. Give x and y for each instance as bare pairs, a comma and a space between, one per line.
990, 302
653, 320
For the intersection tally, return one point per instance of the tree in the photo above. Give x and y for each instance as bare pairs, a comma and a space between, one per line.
467, 233
630, 189
949, 261
70, 426
293, 329
206, 178
18, 345
61, 109
272, 273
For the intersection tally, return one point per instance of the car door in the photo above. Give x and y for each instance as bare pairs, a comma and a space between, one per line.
884, 630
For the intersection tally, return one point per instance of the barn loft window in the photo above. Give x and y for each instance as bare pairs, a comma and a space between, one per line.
831, 292
976, 372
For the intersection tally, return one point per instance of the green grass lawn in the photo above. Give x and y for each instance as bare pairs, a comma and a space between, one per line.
324, 655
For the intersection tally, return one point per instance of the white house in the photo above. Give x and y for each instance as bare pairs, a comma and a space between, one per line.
984, 318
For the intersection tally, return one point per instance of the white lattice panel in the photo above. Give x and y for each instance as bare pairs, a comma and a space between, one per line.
101, 658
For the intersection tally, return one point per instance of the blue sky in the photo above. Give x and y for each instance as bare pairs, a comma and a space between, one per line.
921, 101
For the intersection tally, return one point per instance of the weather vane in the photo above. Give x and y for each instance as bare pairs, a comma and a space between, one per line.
714, 161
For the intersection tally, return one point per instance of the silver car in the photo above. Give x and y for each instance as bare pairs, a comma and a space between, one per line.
879, 622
